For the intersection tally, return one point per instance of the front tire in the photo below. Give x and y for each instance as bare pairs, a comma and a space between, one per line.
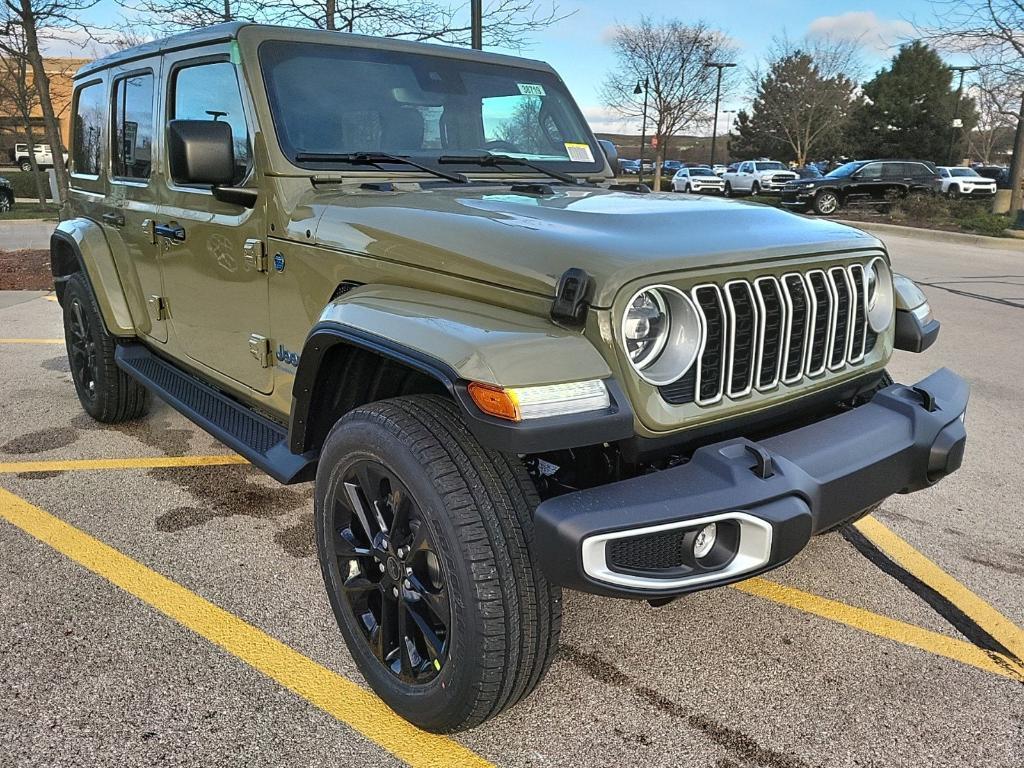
825, 203
26, 166
106, 392
425, 543
728, 189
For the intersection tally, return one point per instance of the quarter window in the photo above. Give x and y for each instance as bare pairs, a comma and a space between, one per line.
210, 92
132, 150
88, 130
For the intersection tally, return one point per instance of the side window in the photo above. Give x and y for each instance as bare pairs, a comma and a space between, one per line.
944, 173
132, 145
872, 171
210, 92
87, 136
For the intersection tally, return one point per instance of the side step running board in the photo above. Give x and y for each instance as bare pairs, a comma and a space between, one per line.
258, 439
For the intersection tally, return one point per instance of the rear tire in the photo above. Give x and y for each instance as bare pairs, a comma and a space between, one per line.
106, 392
26, 166
825, 203
472, 508
755, 189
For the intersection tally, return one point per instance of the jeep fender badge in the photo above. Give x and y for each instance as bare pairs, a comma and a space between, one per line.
279, 262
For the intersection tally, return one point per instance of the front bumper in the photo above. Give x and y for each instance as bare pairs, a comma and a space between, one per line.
767, 498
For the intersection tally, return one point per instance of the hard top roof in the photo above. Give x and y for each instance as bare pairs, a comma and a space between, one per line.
230, 31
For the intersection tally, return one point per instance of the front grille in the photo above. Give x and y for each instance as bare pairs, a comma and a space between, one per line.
769, 331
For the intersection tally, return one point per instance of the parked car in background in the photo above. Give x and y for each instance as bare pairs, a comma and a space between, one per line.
698, 180
1000, 173
719, 169
809, 172
958, 181
43, 153
753, 177
629, 167
6, 195
862, 182
671, 166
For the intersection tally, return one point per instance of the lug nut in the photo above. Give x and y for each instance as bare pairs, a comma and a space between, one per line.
381, 567
407, 584
395, 591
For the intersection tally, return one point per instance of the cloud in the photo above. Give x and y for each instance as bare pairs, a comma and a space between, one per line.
864, 26
603, 120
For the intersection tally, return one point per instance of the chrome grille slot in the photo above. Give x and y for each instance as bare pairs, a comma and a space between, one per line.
772, 321
743, 336
770, 331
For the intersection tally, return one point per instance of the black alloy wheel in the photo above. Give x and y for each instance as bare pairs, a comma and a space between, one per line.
392, 579
82, 353
6, 202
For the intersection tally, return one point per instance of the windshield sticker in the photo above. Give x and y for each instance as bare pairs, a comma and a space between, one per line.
531, 89
579, 153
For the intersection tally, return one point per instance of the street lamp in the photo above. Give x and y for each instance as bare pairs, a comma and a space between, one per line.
642, 86
719, 65
956, 109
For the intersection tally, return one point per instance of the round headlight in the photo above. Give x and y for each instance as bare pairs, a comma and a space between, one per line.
661, 334
880, 296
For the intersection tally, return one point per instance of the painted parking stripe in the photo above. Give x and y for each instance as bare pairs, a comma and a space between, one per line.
149, 462
31, 341
318, 685
984, 615
883, 626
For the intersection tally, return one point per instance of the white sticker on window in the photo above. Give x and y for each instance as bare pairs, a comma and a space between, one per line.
531, 89
579, 153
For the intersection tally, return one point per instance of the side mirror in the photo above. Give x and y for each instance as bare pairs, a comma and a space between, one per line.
612, 154
201, 152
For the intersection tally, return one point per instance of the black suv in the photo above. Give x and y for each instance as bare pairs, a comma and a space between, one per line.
6, 195
861, 182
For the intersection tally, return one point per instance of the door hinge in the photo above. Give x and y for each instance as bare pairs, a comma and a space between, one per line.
158, 307
255, 255
259, 348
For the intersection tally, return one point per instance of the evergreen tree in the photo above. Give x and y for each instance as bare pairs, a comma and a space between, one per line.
800, 109
907, 110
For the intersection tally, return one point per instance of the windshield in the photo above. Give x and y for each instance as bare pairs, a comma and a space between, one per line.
962, 172
844, 170
701, 171
770, 166
333, 99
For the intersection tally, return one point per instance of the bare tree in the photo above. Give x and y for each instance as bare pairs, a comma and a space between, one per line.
671, 58
991, 32
997, 110
20, 98
24, 25
169, 16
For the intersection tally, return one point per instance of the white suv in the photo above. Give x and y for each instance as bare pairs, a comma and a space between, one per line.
756, 176
959, 181
699, 180
44, 156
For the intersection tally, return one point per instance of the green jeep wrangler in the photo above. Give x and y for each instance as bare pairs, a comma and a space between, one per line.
401, 271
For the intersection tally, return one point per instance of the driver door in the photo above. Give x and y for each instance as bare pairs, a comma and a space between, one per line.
214, 264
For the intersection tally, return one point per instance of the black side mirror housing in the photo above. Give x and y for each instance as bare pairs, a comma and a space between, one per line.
201, 152
612, 154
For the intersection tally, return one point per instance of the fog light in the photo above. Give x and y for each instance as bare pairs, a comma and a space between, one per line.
705, 540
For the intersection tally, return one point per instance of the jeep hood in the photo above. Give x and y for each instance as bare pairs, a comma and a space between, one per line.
525, 241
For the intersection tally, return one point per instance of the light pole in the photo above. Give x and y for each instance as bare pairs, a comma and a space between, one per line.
642, 87
476, 13
956, 109
719, 65
728, 132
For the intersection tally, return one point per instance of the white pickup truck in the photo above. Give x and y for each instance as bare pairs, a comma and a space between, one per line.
44, 156
753, 177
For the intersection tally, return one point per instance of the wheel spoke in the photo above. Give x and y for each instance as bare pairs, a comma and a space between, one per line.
436, 602
359, 583
405, 658
346, 546
359, 509
399, 504
418, 541
435, 647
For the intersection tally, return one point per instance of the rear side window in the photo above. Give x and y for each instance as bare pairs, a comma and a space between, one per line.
872, 171
210, 91
88, 130
132, 148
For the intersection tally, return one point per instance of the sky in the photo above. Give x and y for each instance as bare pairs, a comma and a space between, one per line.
579, 46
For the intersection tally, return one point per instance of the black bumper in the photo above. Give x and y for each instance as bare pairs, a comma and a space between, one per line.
776, 493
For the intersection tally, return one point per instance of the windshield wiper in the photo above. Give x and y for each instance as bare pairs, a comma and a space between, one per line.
375, 159
493, 161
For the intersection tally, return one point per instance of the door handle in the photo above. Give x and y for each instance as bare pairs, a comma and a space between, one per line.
170, 231
113, 219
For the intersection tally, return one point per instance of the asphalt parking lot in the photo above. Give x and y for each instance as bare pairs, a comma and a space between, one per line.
162, 604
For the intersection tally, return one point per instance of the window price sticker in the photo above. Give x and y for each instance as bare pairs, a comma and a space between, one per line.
531, 89
579, 153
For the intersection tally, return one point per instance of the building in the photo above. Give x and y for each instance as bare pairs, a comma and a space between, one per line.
12, 131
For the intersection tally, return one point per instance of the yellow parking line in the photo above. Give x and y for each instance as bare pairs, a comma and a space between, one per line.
883, 626
50, 297
984, 615
142, 463
31, 341
318, 685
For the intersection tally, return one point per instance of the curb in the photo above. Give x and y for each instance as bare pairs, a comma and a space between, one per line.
1013, 243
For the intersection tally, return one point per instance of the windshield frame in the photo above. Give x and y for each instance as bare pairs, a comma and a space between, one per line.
480, 63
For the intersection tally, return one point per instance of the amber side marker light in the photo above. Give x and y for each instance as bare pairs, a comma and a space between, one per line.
523, 403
